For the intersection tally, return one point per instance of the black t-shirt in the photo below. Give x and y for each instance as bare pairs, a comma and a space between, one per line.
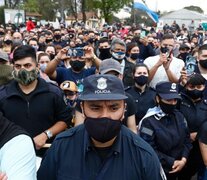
142, 101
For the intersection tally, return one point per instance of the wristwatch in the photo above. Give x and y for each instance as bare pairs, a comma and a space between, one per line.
49, 134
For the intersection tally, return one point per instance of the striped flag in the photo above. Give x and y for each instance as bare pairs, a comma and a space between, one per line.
154, 16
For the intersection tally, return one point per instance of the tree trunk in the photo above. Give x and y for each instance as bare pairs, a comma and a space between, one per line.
84, 11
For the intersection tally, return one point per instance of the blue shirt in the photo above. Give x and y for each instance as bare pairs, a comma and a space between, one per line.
64, 74
72, 156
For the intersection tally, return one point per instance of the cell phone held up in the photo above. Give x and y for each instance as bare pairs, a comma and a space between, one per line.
76, 52
165, 50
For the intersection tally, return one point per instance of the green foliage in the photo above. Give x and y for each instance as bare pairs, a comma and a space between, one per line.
108, 7
2, 14
195, 8
31, 6
47, 8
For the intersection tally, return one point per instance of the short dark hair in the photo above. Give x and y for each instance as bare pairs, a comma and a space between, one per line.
167, 36
196, 79
41, 55
201, 48
140, 65
24, 51
131, 45
103, 40
33, 39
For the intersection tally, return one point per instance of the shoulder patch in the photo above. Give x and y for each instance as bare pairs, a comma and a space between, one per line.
147, 131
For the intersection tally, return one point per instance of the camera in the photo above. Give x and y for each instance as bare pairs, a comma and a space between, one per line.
76, 52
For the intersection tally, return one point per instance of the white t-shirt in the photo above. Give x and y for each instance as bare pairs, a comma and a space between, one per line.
176, 66
17, 158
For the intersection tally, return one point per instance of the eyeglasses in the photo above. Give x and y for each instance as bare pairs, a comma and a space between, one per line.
69, 93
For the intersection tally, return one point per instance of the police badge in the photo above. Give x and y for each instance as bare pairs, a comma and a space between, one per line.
102, 83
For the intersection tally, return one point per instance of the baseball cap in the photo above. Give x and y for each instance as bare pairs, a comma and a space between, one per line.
109, 65
102, 87
184, 47
4, 56
69, 86
167, 90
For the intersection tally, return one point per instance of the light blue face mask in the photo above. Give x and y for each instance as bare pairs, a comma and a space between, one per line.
43, 67
118, 55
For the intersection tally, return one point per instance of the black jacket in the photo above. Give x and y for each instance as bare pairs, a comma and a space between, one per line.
169, 137
37, 111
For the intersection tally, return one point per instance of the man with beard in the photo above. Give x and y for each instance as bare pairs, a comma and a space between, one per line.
101, 148
77, 72
31, 102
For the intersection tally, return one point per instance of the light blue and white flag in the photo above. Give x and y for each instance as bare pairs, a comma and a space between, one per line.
139, 5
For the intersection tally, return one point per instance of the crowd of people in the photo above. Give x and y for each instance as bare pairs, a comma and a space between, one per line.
104, 103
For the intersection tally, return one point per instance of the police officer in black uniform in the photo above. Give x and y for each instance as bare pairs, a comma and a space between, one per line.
165, 129
101, 148
143, 95
194, 108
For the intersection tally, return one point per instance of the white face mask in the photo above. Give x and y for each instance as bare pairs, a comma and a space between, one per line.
118, 55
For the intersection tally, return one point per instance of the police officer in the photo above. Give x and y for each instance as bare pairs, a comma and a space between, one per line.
110, 66
101, 148
143, 95
164, 128
194, 108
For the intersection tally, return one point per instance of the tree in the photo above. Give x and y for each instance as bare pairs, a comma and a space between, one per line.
108, 7
31, 6
47, 9
195, 8
12, 3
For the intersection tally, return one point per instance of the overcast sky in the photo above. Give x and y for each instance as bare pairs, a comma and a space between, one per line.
169, 5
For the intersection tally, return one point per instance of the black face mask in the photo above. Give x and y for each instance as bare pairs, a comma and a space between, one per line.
2, 33
48, 40
91, 40
164, 50
194, 94
70, 103
104, 53
203, 63
141, 80
8, 42
102, 129
57, 36
78, 45
77, 65
183, 56
134, 56
151, 44
52, 56
167, 108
